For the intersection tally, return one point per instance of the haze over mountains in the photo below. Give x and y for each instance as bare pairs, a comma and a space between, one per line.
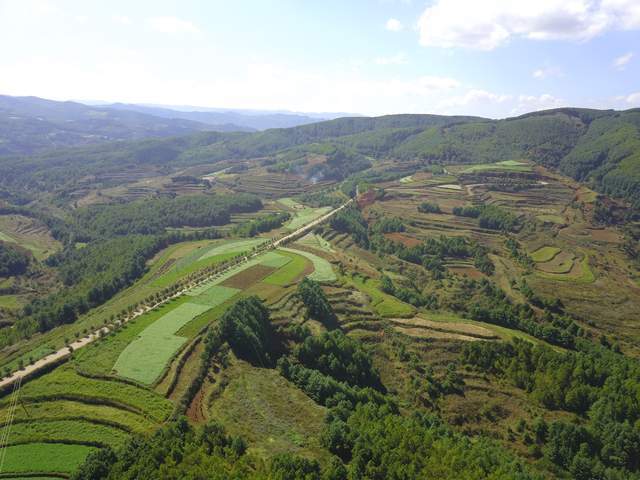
30, 124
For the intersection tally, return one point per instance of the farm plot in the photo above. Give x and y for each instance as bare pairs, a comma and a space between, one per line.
580, 272
236, 246
424, 328
545, 254
509, 165
385, 305
302, 214
28, 233
44, 458
65, 383
291, 271
145, 358
322, 271
560, 263
314, 240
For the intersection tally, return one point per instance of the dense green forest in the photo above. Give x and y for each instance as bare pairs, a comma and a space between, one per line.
13, 260
599, 147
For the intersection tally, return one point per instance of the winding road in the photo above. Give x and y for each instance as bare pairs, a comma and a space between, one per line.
65, 352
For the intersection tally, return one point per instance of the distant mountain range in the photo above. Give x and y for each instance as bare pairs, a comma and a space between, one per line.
31, 124
251, 119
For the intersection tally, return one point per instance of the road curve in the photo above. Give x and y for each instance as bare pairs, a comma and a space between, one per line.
65, 352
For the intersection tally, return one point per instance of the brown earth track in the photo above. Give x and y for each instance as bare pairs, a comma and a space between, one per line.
406, 240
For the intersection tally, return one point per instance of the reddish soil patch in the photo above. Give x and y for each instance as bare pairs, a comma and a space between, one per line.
194, 412
367, 198
248, 277
470, 272
406, 240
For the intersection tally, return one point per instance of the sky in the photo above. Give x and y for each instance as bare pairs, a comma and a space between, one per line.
494, 58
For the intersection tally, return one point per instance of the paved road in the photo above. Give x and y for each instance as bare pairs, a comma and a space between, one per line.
65, 352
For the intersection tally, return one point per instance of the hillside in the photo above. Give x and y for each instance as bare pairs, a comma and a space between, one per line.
246, 120
405, 296
596, 147
29, 124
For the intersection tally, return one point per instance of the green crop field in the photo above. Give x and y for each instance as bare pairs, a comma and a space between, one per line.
302, 214
45, 458
65, 382
288, 273
509, 165
385, 305
67, 431
214, 296
69, 409
545, 254
144, 359
99, 357
316, 241
235, 246
322, 270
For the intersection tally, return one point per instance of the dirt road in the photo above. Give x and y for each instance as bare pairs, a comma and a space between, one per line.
65, 352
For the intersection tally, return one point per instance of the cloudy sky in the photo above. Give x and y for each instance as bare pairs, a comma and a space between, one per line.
493, 58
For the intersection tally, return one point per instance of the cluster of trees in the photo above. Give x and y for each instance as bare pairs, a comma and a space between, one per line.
429, 207
518, 254
13, 260
412, 296
339, 356
433, 252
180, 451
489, 216
247, 328
91, 275
387, 225
485, 302
265, 223
350, 220
316, 302
153, 216
596, 384
323, 198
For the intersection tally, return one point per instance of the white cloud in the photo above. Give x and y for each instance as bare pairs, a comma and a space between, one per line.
172, 25
633, 99
546, 72
487, 24
399, 58
393, 25
123, 19
621, 62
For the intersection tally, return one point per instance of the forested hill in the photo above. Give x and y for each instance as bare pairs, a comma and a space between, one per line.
29, 124
599, 147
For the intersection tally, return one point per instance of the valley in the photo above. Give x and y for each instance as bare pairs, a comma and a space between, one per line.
308, 292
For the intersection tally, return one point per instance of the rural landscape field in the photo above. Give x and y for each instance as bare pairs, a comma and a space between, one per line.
285, 291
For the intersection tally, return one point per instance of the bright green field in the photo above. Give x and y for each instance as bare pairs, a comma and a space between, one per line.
302, 214
511, 165
145, 358
45, 457
322, 271
408, 179
235, 246
99, 357
316, 241
214, 296
545, 254
385, 305
65, 409
64, 381
287, 274
66, 431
